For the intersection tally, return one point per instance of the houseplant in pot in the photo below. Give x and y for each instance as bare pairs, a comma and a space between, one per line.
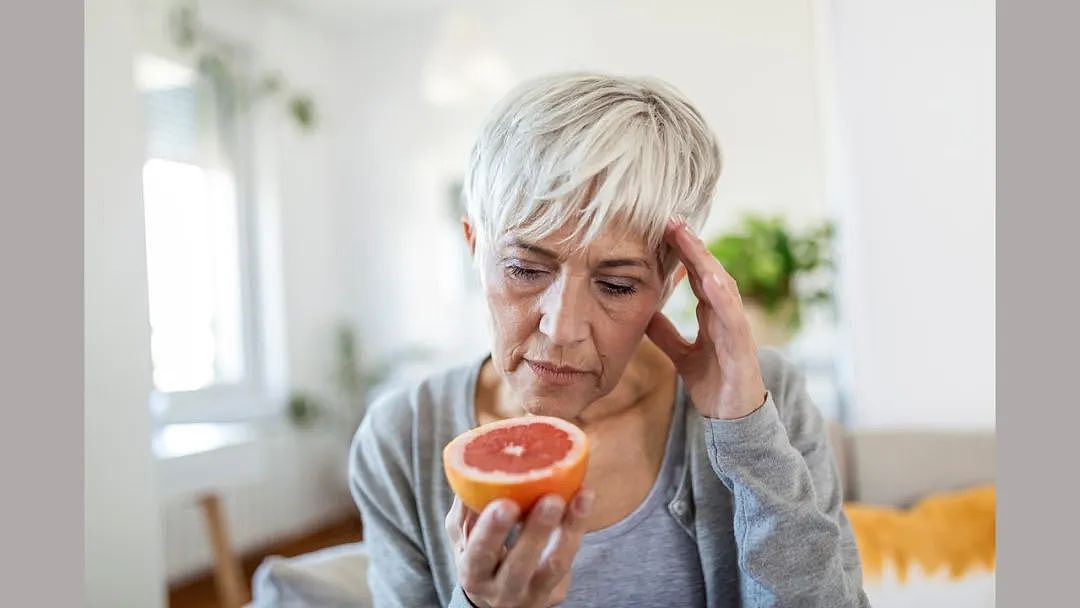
774, 266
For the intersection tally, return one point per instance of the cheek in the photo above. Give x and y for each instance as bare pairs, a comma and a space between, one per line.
619, 336
634, 313
513, 315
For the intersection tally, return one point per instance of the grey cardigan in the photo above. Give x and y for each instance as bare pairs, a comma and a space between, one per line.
760, 495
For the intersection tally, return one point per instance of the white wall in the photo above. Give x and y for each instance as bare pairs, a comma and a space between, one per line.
913, 87
123, 550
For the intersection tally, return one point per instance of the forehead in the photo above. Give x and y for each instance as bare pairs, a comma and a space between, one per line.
608, 244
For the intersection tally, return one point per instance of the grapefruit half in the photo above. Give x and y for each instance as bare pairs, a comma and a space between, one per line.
518, 458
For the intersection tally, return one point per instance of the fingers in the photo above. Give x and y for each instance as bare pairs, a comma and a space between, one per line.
469, 523
706, 332
555, 567
536, 565
671, 235
721, 319
730, 319
699, 261
561, 590
722, 294
692, 250
453, 522
485, 544
521, 562
712, 285
459, 521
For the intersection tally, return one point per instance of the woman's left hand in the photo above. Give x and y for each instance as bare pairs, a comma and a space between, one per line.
720, 368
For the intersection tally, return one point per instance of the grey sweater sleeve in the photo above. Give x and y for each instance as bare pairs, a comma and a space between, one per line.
380, 473
795, 545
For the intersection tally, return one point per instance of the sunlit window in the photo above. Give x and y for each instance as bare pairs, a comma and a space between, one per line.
194, 244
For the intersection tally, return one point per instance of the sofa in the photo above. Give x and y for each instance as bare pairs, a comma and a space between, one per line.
885, 474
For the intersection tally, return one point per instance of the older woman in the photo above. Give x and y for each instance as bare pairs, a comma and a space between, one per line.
709, 481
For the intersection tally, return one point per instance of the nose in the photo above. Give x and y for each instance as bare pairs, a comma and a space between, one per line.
564, 312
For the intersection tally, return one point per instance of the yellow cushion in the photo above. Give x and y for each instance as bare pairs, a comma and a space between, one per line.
952, 531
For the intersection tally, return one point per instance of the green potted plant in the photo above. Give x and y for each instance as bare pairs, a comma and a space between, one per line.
770, 262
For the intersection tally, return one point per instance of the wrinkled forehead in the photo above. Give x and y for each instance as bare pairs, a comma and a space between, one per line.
616, 239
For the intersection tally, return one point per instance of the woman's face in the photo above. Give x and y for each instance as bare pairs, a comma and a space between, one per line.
566, 322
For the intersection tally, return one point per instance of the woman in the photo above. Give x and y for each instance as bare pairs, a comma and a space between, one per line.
709, 480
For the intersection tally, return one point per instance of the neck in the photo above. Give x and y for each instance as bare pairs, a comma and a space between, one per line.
646, 388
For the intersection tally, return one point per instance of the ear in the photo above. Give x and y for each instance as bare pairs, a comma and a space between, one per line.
470, 236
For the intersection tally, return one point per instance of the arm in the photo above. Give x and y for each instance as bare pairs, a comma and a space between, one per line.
795, 545
379, 478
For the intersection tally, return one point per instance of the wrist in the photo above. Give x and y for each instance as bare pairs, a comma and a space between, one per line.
735, 413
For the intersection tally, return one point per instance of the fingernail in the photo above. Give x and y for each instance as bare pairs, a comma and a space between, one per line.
504, 514
551, 511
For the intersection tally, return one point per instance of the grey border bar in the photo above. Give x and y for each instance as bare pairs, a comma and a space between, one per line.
41, 307
1037, 303
41, 302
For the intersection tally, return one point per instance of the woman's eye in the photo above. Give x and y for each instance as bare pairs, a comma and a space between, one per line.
617, 289
520, 272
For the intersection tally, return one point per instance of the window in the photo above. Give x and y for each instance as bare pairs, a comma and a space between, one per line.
199, 258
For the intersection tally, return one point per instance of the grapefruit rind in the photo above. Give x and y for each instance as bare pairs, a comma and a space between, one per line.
477, 487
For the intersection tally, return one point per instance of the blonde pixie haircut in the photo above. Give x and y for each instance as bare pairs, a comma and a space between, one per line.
594, 150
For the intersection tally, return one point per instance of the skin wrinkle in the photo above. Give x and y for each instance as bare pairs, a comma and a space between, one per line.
564, 316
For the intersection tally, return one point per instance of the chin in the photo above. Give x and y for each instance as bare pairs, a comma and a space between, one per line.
567, 407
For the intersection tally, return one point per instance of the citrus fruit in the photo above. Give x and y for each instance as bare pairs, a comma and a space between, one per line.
518, 458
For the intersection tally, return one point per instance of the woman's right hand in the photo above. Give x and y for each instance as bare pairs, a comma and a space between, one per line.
528, 574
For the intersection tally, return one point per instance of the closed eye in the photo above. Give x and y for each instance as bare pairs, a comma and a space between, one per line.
520, 272
617, 289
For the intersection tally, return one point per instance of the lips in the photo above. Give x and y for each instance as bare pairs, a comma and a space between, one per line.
562, 369
560, 375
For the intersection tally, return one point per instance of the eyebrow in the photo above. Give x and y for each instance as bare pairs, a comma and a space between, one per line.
610, 263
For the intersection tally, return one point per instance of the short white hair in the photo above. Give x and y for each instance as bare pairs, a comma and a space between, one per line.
591, 149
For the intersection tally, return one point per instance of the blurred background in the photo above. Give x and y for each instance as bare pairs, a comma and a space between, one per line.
273, 233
